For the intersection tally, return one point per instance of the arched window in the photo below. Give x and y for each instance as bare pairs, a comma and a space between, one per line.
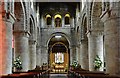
48, 20
58, 20
67, 19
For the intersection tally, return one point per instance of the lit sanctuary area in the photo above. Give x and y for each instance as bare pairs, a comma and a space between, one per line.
58, 53
77, 39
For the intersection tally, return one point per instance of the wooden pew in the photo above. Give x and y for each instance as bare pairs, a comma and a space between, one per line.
99, 76
90, 74
29, 74
21, 75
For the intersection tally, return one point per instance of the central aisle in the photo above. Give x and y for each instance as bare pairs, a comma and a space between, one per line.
58, 75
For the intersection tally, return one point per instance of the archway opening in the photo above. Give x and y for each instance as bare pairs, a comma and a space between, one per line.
58, 49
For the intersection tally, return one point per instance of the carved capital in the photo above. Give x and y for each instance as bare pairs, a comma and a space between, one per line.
84, 41
2, 11
95, 33
32, 41
21, 33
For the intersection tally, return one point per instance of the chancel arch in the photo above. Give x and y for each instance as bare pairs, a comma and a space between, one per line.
58, 49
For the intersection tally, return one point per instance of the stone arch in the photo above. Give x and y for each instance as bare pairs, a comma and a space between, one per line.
78, 34
84, 26
84, 43
32, 27
89, 22
58, 45
19, 12
83, 17
97, 9
96, 12
38, 34
63, 34
78, 28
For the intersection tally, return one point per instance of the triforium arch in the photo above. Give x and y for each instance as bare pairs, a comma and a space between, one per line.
58, 20
67, 18
58, 45
48, 19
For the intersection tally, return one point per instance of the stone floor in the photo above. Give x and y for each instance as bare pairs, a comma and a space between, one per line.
58, 75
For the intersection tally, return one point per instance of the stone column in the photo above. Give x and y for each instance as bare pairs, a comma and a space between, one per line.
71, 56
77, 53
42, 22
38, 56
95, 47
112, 38
32, 48
9, 24
111, 47
72, 22
84, 54
53, 22
44, 54
21, 48
73, 50
63, 21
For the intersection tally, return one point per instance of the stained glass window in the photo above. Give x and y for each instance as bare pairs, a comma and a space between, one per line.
59, 58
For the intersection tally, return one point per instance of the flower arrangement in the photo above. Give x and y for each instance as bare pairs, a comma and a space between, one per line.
17, 63
97, 62
74, 64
